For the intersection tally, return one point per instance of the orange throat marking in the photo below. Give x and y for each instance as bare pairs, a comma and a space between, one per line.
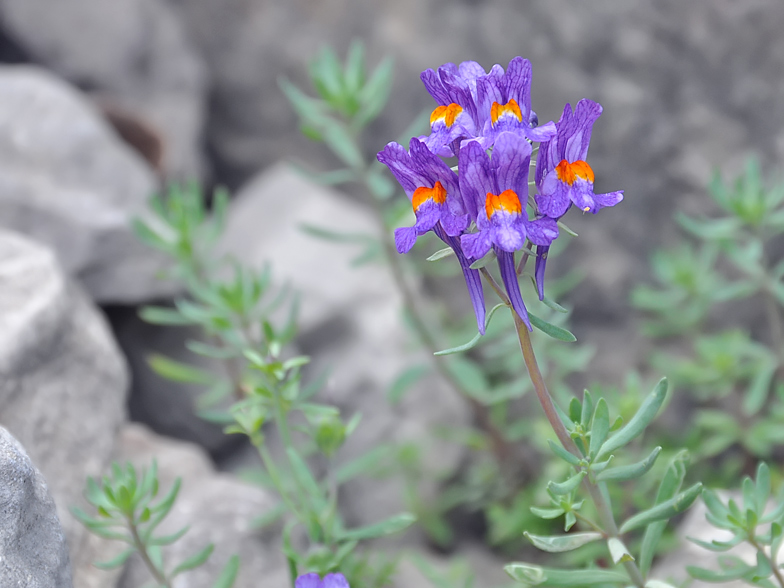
422, 194
447, 114
506, 201
569, 172
511, 107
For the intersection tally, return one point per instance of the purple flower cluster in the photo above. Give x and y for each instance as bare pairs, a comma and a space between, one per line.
313, 580
484, 119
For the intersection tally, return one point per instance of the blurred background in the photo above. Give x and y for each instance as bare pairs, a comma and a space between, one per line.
190, 91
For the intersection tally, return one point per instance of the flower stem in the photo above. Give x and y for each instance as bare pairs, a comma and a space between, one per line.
771, 559
602, 505
160, 578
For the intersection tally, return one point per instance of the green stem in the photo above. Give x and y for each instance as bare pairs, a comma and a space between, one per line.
142, 549
771, 559
602, 506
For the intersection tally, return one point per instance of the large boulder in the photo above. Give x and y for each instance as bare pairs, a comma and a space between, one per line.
32, 544
351, 324
62, 394
217, 508
132, 55
67, 181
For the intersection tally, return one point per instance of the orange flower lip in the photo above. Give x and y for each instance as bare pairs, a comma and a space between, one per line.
506, 201
447, 114
569, 172
422, 194
511, 107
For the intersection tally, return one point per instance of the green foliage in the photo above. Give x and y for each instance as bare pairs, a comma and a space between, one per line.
743, 521
733, 375
127, 511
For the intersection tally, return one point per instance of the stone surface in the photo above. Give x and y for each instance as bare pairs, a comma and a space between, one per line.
67, 181
351, 325
62, 394
33, 552
130, 54
218, 509
167, 407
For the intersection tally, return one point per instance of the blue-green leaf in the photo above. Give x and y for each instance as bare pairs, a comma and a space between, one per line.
551, 330
560, 543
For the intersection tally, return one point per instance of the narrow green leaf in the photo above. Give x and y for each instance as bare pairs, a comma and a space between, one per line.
168, 539
404, 382
441, 254
229, 573
364, 464
305, 477
630, 472
565, 455
663, 511
533, 575
586, 414
568, 486
472, 343
193, 561
600, 427
560, 543
375, 93
159, 315
115, 562
638, 423
762, 488
391, 525
618, 551
342, 144
552, 330
718, 576
554, 305
483, 261
178, 371
547, 513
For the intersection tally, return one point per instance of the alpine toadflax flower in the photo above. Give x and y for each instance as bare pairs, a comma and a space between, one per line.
438, 205
563, 177
476, 105
312, 580
498, 184
485, 119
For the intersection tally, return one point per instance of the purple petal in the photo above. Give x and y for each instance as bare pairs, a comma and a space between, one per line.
472, 278
585, 114
405, 237
311, 580
507, 234
470, 70
487, 92
453, 225
433, 169
542, 231
582, 195
476, 245
427, 216
517, 84
506, 264
335, 581
399, 162
510, 163
554, 200
608, 199
475, 178
544, 132
433, 85
541, 262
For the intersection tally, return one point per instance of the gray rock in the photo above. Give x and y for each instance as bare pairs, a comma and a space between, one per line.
218, 509
62, 394
67, 181
351, 324
33, 552
130, 53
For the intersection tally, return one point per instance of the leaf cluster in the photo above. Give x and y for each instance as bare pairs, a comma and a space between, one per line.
127, 511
